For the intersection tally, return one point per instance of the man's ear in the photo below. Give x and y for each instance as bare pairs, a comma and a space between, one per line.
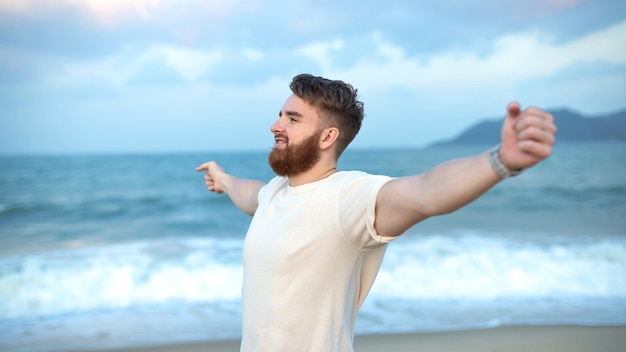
328, 137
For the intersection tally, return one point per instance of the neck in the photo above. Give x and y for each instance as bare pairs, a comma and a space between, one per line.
318, 172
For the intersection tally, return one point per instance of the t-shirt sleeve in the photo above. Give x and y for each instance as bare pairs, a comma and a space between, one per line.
267, 188
357, 209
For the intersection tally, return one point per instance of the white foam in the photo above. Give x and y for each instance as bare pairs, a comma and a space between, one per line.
460, 268
119, 276
473, 267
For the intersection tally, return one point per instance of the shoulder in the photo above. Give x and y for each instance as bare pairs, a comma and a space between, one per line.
275, 184
354, 178
356, 185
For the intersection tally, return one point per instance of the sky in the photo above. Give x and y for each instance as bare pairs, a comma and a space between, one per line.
136, 76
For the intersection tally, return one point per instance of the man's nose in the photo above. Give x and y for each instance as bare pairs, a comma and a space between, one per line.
277, 127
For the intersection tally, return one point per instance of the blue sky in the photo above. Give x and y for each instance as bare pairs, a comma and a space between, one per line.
95, 76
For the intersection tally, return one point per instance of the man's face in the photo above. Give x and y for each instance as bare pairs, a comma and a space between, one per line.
297, 136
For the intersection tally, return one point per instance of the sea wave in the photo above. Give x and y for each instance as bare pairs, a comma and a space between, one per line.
209, 270
477, 267
123, 276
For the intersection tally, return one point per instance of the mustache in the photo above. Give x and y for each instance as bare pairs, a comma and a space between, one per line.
281, 136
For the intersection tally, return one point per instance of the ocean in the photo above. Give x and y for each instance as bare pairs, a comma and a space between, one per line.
102, 251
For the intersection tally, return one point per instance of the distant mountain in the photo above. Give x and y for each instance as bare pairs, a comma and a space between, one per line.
572, 127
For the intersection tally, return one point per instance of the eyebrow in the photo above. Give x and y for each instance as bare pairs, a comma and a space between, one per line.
290, 113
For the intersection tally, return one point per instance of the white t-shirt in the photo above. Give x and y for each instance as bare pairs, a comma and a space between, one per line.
310, 257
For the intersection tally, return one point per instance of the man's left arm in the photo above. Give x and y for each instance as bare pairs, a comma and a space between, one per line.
527, 138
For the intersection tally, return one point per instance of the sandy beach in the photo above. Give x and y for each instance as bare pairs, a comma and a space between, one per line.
502, 339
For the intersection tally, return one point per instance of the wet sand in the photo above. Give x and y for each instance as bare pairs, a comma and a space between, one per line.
502, 339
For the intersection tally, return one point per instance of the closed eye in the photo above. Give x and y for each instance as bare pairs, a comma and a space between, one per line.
293, 116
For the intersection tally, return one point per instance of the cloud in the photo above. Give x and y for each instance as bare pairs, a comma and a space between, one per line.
389, 64
189, 63
110, 13
16, 6
252, 54
158, 66
513, 58
107, 13
527, 9
321, 52
451, 89
120, 69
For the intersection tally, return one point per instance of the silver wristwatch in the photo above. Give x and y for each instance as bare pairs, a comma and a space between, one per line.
498, 166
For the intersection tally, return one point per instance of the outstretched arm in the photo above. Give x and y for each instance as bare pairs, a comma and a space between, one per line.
527, 138
244, 193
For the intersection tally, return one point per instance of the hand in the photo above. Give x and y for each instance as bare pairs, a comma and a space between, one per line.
527, 137
212, 172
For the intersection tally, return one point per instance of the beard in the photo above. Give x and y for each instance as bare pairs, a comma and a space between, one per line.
296, 159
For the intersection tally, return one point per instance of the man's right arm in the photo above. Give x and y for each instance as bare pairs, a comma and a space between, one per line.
244, 193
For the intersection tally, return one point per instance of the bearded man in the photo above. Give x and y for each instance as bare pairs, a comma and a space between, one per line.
318, 235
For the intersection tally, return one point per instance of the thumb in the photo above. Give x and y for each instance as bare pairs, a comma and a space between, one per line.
513, 109
202, 167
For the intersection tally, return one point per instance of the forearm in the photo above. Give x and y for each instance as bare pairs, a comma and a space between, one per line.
243, 193
454, 184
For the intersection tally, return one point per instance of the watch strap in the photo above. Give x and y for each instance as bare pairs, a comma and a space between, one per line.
498, 166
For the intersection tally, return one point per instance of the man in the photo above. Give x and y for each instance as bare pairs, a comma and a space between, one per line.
318, 236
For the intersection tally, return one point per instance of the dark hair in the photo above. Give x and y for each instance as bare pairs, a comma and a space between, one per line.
336, 103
